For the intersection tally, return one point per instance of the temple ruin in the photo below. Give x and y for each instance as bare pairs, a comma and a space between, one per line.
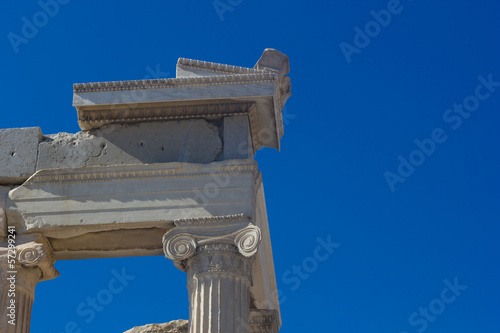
161, 167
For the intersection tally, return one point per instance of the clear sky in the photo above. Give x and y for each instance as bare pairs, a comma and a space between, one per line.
390, 151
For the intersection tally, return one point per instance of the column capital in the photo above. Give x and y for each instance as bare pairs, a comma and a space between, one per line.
192, 235
32, 251
25, 260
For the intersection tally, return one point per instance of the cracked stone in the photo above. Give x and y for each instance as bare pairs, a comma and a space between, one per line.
176, 326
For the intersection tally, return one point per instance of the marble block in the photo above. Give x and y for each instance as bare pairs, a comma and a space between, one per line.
18, 153
79, 208
195, 141
237, 138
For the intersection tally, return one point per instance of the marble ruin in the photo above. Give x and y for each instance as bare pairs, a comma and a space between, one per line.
161, 167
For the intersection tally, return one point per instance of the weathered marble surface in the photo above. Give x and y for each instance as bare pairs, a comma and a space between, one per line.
201, 89
65, 204
169, 158
237, 138
176, 326
264, 321
265, 289
195, 141
18, 153
4, 192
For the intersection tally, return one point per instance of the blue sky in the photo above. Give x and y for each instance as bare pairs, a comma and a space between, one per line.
377, 86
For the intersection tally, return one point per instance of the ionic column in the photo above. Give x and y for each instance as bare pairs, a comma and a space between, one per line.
217, 254
24, 261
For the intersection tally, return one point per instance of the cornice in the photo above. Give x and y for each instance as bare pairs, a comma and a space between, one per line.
259, 77
139, 172
216, 67
87, 116
104, 108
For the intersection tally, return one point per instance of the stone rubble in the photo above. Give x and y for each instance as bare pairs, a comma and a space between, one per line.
176, 326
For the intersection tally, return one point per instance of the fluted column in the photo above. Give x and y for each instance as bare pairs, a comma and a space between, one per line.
217, 254
24, 261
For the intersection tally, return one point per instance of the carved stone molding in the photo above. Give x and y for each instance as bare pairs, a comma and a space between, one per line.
191, 236
220, 258
201, 90
91, 118
256, 77
40, 256
32, 251
222, 69
121, 173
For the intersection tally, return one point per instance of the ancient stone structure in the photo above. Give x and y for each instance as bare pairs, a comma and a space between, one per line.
176, 326
161, 167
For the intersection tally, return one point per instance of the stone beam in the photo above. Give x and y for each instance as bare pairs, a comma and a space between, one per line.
87, 212
18, 153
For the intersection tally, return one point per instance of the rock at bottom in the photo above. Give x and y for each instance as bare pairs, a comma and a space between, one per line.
176, 326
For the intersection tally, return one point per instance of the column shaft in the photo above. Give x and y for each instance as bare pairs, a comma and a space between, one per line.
217, 253
21, 268
219, 280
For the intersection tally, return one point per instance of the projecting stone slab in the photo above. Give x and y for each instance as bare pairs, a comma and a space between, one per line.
200, 90
65, 204
18, 153
4, 191
195, 141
